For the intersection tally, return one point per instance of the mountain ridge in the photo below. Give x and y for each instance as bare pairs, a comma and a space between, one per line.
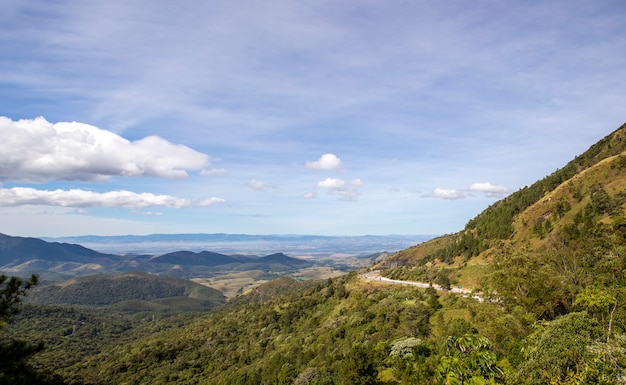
577, 209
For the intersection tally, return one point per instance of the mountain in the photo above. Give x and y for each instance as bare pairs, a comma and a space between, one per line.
246, 244
280, 258
130, 292
189, 258
558, 235
539, 213
272, 262
15, 250
54, 261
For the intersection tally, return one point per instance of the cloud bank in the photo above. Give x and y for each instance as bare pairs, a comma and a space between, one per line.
18, 196
37, 150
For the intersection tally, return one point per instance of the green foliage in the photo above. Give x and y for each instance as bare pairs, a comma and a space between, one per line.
15, 355
469, 359
605, 363
131, 291
11, 292
529, 282
558, 351
359, 367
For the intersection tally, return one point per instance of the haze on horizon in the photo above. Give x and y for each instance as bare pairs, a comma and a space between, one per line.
331, 118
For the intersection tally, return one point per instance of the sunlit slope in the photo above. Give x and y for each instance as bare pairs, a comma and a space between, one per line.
562, 210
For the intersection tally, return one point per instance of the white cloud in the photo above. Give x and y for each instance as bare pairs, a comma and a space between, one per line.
19, 196
257, 185
37, 150
489, 189
325, 162
442, 193
339, 187
309, 195
212, 201
332, 183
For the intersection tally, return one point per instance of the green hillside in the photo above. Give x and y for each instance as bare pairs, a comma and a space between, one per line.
576, 213
132, 292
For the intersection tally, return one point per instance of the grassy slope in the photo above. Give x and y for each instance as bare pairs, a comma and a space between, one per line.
508, 224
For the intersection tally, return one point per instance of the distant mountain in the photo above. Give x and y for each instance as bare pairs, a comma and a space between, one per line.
284, 259
16, 250
273, 262
54, 261
189, 258
130, 292
246, 244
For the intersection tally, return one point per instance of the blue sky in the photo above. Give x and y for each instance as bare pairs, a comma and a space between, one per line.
275, 117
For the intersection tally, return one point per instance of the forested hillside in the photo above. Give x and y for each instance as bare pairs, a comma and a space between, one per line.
571, 224
132, 292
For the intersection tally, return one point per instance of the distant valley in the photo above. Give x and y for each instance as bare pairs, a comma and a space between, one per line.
293, 245
231, 263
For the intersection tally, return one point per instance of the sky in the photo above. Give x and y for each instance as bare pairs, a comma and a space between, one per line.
349, 117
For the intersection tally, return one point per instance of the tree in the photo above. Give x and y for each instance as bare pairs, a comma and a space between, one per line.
527, 281
599, 304
14, 368
558, 352
11, 291
359, 367
469, 360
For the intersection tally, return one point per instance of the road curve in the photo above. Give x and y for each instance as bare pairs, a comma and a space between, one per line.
375, 276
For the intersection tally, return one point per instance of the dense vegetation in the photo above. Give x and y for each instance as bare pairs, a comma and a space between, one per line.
130, 291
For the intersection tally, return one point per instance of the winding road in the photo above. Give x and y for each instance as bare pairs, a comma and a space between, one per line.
375, 276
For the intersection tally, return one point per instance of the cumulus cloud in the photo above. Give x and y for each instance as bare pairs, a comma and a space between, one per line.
19, 196
309, 195
339, 187
37, 150
257, 185
332, 183
489, 189
325, 162
443, 193
212, 201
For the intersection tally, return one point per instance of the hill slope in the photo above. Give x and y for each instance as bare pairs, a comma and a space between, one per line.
17, 250
556, 236
189, 258
130, 292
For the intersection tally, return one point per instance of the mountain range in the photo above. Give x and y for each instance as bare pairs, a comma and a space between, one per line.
56, 261
247, 244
